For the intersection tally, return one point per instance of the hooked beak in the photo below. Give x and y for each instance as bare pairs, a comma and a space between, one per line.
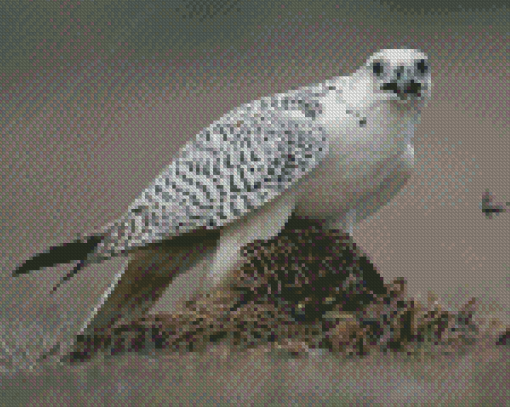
404, 89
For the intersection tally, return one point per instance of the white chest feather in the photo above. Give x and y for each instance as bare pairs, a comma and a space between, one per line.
364, 146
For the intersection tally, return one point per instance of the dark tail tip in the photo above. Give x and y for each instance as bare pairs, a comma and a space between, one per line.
68, 276
64, 253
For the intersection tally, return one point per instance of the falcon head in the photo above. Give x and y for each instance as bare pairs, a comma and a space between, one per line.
402, 75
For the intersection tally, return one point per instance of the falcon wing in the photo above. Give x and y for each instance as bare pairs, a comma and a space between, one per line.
234, 166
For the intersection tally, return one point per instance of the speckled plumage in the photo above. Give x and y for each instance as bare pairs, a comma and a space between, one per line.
238, 163
335, 151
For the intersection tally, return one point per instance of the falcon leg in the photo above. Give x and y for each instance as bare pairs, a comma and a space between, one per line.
344, 224
350, 221
264, 223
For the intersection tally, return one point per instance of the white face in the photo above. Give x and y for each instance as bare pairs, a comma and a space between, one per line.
401, 74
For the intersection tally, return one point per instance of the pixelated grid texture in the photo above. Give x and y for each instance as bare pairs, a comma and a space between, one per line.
93, 104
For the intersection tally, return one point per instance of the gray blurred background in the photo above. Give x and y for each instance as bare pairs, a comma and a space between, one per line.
96, 97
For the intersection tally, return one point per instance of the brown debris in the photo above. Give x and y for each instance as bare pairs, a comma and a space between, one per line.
305, 289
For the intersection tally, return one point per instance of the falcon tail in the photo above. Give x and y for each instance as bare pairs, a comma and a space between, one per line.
64, 253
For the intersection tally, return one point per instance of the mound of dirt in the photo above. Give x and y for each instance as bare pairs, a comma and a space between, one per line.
306, 289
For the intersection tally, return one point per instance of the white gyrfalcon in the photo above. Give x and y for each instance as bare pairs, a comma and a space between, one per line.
335, 151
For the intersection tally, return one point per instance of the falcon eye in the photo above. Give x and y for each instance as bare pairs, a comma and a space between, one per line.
377, 68
422, 66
